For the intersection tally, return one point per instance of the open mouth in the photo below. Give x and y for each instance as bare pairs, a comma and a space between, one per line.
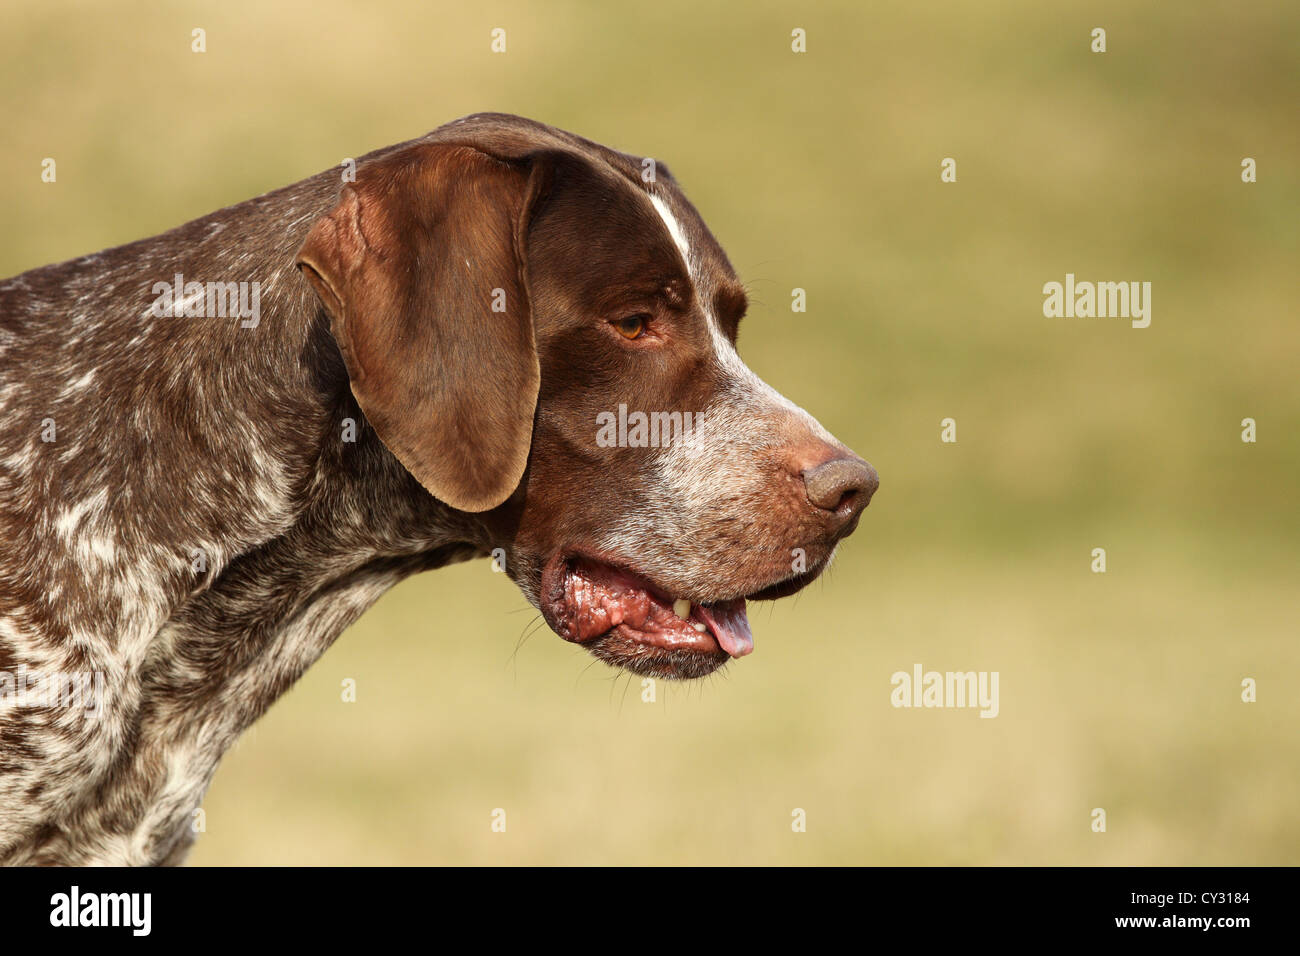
625, 620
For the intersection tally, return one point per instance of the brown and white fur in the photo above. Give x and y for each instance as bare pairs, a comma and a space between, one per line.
196, 528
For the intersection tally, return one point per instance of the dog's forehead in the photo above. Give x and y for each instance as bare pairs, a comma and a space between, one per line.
609, 233
680, 227
716, 285
684, 225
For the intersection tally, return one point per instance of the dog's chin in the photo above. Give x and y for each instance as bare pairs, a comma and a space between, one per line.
627, 621
620, 649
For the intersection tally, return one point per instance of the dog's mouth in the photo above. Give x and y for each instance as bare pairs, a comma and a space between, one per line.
625, 620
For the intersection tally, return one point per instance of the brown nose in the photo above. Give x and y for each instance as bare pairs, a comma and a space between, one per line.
841, 485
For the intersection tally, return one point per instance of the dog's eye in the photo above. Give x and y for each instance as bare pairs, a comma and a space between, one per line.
631, 326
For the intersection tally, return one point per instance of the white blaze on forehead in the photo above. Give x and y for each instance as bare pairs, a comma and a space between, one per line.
674, 229
760, 392
720, 343
679, 239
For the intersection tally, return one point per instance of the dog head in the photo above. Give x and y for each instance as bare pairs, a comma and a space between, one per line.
543, 330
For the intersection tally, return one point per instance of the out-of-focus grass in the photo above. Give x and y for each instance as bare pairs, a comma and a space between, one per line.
819, 171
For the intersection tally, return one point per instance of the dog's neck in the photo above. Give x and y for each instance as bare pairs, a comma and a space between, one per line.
201, 583
265, 616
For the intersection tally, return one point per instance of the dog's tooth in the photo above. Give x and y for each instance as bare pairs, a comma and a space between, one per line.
682, 608
701, 627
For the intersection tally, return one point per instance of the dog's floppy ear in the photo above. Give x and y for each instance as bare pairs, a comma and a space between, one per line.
421, 269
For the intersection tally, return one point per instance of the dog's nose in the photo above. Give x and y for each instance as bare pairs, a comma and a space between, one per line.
842, 485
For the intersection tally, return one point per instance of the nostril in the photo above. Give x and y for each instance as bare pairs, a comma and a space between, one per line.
836, 484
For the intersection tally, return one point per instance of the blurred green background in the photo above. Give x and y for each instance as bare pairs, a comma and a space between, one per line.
821, 171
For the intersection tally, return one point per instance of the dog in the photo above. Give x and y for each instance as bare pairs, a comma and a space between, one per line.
476, 343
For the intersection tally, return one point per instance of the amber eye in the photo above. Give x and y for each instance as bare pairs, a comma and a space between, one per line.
631, 326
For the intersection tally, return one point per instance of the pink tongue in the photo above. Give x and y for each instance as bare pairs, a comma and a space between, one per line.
730, 625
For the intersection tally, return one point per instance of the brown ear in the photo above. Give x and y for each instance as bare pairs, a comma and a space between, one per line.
421, 269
